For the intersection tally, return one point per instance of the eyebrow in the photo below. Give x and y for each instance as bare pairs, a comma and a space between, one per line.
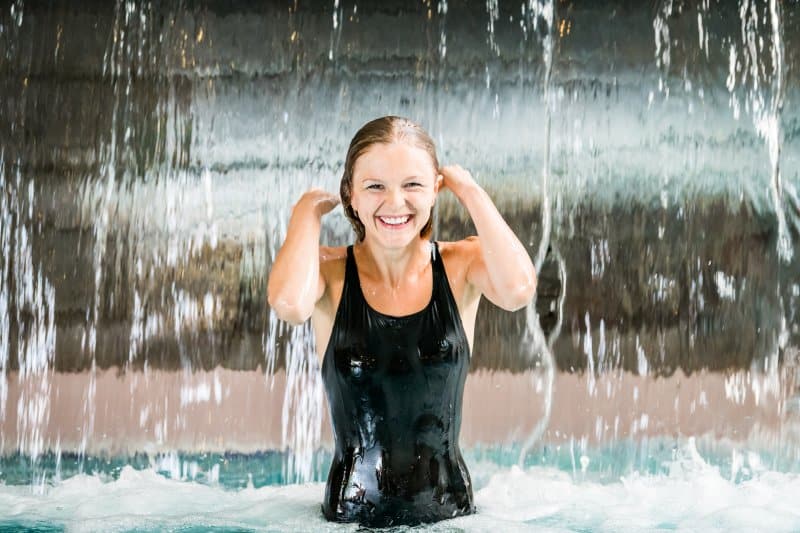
414, 177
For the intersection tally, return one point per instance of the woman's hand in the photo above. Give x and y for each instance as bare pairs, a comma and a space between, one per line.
319, 201
457, 179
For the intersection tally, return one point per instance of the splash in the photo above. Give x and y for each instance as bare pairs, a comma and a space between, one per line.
689, 493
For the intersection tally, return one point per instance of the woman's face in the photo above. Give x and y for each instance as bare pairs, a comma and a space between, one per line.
394, 188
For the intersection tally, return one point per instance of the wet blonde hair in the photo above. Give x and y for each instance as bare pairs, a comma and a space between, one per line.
384, 130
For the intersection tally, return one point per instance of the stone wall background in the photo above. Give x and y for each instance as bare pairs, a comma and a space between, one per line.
151, 154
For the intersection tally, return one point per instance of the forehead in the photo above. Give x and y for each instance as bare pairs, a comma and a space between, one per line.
395, 160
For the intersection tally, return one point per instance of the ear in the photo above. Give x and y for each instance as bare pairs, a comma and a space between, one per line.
438, 183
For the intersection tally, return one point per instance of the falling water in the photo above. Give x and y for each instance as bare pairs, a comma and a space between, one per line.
758, 68
536, 344
645, 155
30, 304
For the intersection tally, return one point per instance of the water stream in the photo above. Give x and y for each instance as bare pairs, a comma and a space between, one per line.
647, 156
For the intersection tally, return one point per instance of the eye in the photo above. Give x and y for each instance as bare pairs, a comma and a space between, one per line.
375, 187
413, 184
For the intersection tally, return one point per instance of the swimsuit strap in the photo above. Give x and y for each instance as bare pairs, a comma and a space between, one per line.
444, 294
440, 280
350, 269
352, 282
437, 263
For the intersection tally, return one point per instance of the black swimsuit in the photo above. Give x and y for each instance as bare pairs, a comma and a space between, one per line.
394, 387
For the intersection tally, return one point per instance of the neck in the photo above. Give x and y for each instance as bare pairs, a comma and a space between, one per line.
393, 265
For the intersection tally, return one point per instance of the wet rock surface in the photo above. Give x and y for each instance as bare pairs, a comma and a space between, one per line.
150, 155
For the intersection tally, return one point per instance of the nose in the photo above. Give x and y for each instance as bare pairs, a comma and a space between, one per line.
396, 198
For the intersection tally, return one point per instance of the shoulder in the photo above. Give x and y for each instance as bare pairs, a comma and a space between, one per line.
332, 261
332, 265
332, 253
458, 256
460, 252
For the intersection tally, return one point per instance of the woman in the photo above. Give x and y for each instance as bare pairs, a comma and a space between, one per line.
394, 316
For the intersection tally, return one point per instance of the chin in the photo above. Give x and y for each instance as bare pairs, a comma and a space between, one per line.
396, 241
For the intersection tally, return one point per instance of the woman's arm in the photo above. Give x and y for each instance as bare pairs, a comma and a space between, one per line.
295, 283
500, 266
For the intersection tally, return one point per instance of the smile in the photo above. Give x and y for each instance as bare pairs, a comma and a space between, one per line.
395, 222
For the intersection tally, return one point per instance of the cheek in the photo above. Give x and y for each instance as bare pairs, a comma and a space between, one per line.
363, 203
425, 198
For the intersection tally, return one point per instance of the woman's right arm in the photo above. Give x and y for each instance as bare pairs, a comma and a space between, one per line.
295, 283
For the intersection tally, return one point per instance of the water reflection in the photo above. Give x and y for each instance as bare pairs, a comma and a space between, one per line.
150, 156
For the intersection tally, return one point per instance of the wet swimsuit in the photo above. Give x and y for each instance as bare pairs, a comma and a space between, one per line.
394, 387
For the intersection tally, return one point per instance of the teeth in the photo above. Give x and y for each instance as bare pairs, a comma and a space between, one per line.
395, 220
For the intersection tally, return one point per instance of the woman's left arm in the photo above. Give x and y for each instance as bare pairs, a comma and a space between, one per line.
500, 266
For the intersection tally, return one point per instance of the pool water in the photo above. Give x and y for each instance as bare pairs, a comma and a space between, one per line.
683, 487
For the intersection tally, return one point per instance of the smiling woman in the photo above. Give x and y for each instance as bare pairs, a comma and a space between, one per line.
386, 148
394, 316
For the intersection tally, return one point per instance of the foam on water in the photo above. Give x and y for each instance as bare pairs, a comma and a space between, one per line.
691, 495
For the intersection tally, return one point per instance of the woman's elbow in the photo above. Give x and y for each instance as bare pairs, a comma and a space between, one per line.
520, 295
287, 310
